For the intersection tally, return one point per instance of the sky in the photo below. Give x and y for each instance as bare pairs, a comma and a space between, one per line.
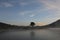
22, 12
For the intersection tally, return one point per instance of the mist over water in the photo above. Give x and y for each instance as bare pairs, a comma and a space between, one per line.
40, 34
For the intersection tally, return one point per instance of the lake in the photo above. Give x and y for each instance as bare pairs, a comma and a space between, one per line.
36, 34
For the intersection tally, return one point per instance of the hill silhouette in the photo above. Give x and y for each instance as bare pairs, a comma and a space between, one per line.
7, 26
55, 24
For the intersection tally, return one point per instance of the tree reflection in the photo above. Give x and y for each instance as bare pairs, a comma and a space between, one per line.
32, 35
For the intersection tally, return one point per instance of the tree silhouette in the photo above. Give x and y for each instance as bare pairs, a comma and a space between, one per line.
32, 24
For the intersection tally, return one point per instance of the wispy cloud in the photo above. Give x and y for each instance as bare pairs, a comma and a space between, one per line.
53, 7
23, 3
6, 4
28, 2
23, 13
32, 15
53, 4
11, 3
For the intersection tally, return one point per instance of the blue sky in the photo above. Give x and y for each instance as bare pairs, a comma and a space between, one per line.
22, 12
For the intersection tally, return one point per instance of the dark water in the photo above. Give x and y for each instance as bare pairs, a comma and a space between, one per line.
41, 34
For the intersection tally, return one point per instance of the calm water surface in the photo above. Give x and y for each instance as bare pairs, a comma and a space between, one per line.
41, 34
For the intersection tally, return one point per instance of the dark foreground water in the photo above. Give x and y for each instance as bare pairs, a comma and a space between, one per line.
41, 34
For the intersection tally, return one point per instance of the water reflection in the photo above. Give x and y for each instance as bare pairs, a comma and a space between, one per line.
42, 34
32, 35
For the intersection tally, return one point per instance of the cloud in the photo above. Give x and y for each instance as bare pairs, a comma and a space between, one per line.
23, 3
32, 15
23, 13
6, 4
28, 2
53, 5
11, 3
